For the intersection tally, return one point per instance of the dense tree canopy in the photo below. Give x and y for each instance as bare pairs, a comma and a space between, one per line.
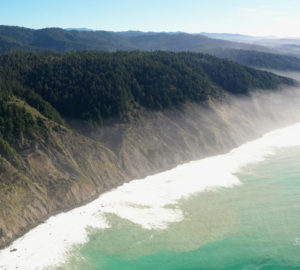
94, 86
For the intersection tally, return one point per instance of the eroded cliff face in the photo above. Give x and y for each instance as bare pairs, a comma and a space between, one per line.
66, 171
161, 140
69, 169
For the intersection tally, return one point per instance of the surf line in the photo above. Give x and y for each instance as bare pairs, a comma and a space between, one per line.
150, 202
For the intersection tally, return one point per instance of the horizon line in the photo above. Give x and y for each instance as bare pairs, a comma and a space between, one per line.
88, 29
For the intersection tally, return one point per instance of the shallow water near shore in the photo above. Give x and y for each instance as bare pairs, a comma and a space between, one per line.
252, 226
240, 210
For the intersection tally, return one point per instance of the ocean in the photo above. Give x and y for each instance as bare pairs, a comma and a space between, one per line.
240, 210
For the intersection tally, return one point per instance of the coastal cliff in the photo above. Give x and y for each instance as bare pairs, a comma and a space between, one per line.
50, 163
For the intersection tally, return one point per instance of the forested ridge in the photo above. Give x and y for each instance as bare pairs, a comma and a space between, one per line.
61, 40
93, 86
14, 38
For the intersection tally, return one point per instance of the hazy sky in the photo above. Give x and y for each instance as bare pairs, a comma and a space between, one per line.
254, 17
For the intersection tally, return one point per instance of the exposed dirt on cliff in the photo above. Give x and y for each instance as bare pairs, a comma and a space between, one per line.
69, 169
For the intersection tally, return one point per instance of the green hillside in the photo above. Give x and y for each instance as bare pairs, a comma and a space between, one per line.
94, 86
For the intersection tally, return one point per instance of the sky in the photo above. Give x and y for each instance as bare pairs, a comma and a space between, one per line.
252, 17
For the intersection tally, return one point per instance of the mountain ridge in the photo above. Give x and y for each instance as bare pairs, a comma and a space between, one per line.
61, 40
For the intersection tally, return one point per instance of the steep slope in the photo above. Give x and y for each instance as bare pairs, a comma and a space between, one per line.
146, 112
51, 169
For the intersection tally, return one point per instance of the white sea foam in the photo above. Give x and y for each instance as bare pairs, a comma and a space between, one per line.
151, 202
46, 244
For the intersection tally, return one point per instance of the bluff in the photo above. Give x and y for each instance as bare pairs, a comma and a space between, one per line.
75, 125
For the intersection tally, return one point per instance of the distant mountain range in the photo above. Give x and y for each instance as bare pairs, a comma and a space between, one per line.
283, 45
234, 48
82, 39
234, 37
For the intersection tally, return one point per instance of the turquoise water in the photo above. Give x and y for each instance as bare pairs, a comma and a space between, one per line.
252, 226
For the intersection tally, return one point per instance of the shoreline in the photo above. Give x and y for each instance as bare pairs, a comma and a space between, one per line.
55, 213
106, 190
233, 152
152, 143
